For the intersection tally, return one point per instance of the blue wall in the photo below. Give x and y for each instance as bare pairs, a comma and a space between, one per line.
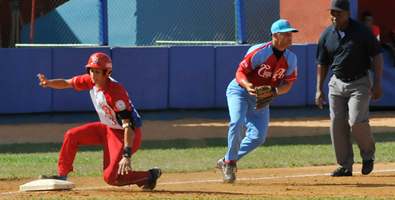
144, 74
155, 77
20, 91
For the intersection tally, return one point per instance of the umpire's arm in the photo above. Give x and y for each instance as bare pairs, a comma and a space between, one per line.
377, 68
322, 72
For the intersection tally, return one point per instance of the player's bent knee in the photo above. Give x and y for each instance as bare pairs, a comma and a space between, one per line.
68, 135
239, 123
110, 180
259, 140
262, 140
356, 122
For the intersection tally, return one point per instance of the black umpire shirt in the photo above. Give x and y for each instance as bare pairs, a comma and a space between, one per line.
351, 55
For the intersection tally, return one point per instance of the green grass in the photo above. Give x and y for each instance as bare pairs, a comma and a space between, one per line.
31, 160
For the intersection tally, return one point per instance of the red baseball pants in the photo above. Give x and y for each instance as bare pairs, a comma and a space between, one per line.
112, 140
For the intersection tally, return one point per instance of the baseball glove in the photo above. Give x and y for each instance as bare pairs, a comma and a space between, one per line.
265, 95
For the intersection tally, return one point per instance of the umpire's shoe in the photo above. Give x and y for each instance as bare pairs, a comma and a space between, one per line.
154, 174
55, 177
228, 170
367, 166
341, 172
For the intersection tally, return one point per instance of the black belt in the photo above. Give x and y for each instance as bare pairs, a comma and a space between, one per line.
353, 78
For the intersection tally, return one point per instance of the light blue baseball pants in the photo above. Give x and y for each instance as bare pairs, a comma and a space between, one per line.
241, 110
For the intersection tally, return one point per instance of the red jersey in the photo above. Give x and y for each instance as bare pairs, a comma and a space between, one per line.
108, 101
376, 31
261, 67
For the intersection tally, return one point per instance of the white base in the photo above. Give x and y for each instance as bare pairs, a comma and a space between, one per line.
47, 184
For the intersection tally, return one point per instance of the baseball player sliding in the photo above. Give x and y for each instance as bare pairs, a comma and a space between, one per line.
118, 130
267, 70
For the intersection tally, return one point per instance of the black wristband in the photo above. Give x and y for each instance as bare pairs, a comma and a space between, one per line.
132, 125
127, 152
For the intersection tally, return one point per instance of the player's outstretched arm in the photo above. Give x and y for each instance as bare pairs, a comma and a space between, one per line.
54, 83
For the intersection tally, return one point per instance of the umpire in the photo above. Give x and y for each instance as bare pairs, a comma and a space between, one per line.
351, 50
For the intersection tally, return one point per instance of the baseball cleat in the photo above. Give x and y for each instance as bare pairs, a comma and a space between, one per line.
341, 172
56, 177
219, 163
228, 171
367, 166
155, 173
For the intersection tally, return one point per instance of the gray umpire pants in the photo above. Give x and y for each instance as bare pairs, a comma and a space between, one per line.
349, 112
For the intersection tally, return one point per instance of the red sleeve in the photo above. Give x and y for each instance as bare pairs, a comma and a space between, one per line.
118, 98
241, 74
82, 82
376, 30
245, 67
292, 77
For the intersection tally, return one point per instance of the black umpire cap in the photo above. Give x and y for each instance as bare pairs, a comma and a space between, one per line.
340, 5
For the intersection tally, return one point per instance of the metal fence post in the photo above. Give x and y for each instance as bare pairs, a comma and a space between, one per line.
32, 23
241, 22
103, 23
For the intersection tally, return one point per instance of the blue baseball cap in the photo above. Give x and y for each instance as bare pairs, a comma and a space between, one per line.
282, 26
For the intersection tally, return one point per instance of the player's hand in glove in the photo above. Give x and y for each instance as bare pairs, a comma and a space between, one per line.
265, 95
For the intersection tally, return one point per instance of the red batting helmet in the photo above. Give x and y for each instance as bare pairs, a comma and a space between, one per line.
100, 61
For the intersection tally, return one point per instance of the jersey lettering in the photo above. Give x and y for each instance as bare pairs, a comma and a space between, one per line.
264, 71
244, 64
279, 74
109, 115
107, 102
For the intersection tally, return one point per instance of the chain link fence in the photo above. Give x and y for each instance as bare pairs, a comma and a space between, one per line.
260, 16
180, 22
15, 14
134, 22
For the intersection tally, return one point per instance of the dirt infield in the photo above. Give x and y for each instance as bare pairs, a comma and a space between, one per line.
301, 182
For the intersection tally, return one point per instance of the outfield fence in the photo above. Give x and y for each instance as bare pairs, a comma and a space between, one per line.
135, 22
128, 23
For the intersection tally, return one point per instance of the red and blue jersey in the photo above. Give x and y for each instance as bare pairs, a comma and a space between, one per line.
261, 67
108, 101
